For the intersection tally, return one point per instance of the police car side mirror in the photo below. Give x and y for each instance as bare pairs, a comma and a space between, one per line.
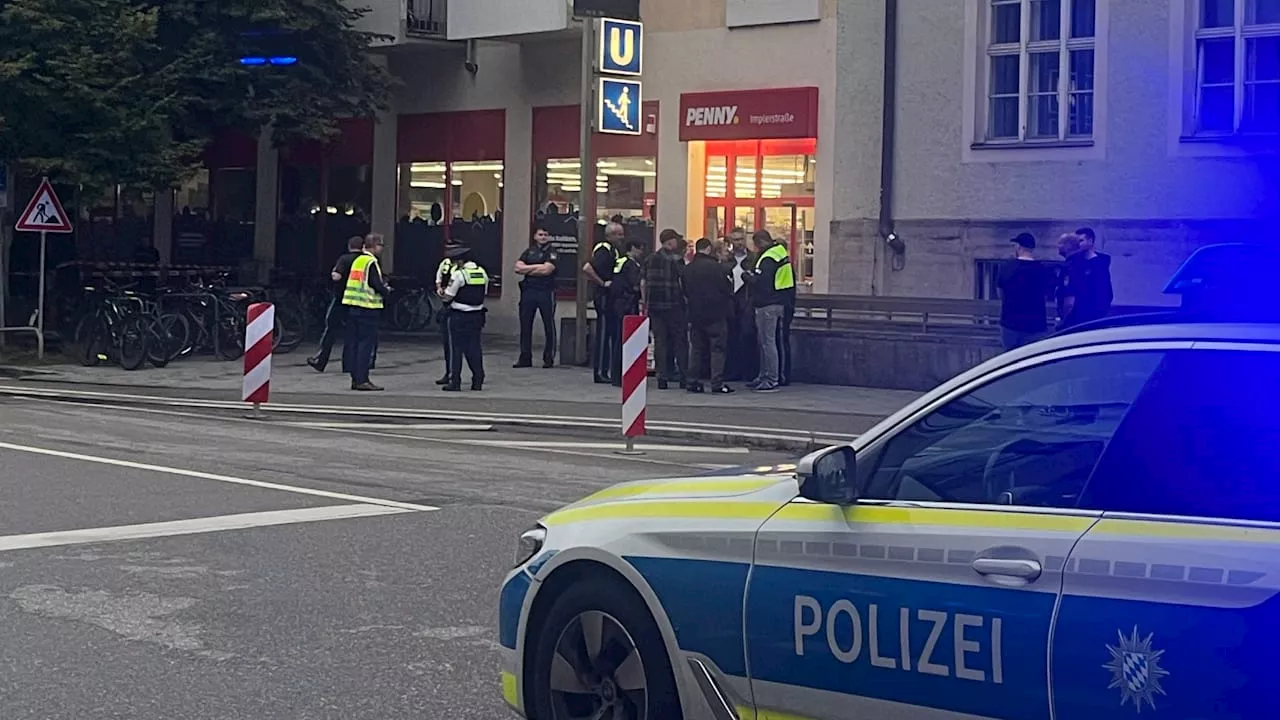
827, 476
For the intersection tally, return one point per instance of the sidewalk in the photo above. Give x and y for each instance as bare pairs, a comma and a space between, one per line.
409, 369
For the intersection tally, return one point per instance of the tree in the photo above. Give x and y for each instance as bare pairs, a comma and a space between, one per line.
99, 92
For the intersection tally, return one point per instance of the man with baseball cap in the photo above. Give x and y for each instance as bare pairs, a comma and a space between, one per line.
1026, 286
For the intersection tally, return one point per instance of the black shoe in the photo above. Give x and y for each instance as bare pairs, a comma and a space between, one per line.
477, 386
662, 385
523, 364
443, 381
602, 380
452, 388
694, 387
722, 390
315, 364
367, 387
547, 364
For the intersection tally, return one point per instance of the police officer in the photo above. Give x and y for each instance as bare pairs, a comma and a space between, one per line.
604, 256
465, 292
444, 272
538, 295
773, 292
363, 300
624, 299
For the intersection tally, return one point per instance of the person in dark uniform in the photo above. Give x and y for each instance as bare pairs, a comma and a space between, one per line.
624, 299
466, 291
599, 270
538, 296
444, 273
335, 314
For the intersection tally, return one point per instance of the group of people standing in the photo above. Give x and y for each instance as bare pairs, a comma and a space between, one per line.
1081, 288
722, 314
360, 293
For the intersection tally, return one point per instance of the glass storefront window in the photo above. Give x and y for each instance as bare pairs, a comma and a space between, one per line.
476, 189
350, 192
625, 186
715, 179
744, 178
787, 176
193, 193
422, 192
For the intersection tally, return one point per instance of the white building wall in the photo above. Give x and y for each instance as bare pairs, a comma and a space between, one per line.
1151, 196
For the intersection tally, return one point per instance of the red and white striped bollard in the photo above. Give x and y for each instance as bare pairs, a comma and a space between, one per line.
635, 377
258, 336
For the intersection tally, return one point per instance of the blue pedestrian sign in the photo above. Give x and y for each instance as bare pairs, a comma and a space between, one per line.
621, 47
618, 106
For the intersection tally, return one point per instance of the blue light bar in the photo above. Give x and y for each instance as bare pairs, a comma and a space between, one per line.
287, 60
253, 61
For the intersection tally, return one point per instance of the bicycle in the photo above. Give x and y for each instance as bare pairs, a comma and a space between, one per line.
114, 331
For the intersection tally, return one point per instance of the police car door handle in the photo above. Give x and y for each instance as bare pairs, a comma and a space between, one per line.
1018, 568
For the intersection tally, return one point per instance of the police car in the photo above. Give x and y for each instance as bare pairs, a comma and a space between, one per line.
1088, 527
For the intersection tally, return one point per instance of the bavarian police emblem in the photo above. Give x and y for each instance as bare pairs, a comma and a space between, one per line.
1135, 670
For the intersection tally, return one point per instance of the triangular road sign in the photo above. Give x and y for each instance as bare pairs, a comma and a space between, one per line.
44, 213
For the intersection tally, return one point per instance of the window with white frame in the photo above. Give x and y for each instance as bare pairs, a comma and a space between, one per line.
1237, 66
1039, 70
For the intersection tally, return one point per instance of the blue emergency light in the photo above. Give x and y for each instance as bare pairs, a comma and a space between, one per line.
257, 61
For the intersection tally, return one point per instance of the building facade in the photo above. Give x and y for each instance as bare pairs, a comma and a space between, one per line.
1152, 121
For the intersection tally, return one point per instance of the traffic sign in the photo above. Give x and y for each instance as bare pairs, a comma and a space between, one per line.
621, 47
618, 106
44, 214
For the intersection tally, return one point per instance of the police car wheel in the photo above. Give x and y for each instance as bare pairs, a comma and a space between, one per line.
600, 655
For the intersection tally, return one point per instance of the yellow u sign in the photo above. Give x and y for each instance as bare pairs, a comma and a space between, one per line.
621, 47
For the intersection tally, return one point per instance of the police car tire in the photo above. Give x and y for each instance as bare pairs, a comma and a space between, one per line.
619, 600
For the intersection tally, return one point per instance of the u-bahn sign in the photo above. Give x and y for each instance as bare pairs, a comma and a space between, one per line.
621, 47
621, 9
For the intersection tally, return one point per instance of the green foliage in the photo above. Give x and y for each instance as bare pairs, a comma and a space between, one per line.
98, 92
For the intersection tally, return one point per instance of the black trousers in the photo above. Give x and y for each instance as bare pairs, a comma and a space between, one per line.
602, 360
442, 317
333, 319
671, 343
614, 333
707, 348
784, 344
360, 342
537, 302
464, 344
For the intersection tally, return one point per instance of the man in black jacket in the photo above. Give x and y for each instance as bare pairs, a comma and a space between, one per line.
333, 317
709, 292
624, 299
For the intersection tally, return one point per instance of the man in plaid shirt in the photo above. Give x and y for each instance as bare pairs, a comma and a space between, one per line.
664, 303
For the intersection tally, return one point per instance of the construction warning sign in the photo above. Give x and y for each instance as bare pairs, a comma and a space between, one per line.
44, 213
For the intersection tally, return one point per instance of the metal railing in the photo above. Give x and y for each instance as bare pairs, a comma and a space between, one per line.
426, 18
833, 312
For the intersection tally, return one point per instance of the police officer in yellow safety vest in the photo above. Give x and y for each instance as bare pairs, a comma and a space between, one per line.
465, 293
444, 274
773, 287
624, 299
599, 272
363, 298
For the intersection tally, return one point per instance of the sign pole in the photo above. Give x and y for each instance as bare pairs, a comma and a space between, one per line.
40, 300
587, 193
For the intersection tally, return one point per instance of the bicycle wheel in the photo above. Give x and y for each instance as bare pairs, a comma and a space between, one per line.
289, 329
426, 312
133, 343
179, 328
88, 342
165, 338
404, 315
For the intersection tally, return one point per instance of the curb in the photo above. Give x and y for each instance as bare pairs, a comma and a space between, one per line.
780, 439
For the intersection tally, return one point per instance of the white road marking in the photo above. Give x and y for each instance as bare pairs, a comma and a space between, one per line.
393, 426
556, 444
212, 476
240, 521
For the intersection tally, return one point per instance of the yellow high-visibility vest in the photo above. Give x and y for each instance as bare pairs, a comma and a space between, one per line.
358, 293
784, 278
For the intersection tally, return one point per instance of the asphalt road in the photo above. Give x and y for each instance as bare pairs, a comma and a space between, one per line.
301, 571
